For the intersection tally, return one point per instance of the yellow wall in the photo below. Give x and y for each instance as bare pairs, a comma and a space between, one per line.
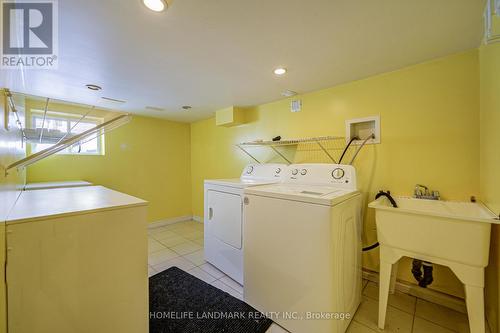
430, 135
148, 158
490, 167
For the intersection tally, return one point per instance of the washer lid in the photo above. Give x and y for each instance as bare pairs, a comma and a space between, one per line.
317, 194
240, 183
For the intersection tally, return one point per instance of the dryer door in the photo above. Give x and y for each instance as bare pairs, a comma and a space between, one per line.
225, 217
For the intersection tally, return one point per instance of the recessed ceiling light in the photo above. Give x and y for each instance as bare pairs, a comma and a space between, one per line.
93, 87
187, 107
280, 71
155, 5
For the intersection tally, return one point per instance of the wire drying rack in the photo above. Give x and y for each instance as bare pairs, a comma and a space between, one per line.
62, 141
325, 143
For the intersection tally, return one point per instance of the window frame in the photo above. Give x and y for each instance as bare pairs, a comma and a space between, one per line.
68, 118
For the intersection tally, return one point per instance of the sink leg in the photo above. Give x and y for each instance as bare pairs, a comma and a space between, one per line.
384, 284
474, 297
394, 274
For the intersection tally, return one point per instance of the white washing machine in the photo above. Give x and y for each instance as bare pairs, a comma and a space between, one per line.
224, 216
303, 248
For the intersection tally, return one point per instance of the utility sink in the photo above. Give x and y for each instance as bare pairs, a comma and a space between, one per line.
454, 234
457, 231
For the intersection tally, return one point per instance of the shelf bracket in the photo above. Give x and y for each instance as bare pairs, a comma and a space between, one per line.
76, 124
101, 129
274, 145
280, 154
248, 154
5, 106
12, 106
326, 152
43, 120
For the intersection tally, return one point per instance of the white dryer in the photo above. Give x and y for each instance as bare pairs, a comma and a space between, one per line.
224, 216
303, 248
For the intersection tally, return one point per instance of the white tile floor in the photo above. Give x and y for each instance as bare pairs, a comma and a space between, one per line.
181, 245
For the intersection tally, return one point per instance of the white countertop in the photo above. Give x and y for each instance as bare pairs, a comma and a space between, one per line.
41, 204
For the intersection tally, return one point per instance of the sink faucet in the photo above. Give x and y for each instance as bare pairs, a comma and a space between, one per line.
423, 192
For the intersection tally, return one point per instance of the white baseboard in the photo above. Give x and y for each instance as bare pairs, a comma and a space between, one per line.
198, 218
164, 222
426, 294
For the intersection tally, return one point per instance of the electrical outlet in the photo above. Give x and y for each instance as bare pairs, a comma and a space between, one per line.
296, 105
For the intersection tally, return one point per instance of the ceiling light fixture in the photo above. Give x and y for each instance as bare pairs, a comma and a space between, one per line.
155, 5
280, 71
93, 87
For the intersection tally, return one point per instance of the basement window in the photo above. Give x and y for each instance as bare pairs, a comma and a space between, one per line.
64, 123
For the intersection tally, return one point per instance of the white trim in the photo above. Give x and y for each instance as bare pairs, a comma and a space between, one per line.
489, 35
198, 218
426, 294
68, 119
376, 129
164, 222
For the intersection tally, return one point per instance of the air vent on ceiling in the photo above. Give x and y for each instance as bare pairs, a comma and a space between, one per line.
113, 100
288, 93
154, 108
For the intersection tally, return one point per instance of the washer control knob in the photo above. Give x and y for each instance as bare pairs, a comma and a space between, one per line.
249, 169
338, 173
303, 172
295, 172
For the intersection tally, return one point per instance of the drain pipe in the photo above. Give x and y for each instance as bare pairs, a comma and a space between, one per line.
416, 269
426, 278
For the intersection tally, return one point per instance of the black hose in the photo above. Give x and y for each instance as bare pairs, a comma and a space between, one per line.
393, 203
388, 196
346, 148
371, 247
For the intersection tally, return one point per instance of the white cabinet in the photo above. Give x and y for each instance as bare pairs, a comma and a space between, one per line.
78, 264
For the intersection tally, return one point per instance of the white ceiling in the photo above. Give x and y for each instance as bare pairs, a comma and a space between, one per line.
213, 54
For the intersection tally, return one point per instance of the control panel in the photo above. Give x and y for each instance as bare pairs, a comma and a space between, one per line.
343, 176
264, 171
